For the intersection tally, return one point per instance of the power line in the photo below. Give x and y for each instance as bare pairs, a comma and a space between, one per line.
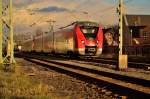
112, 7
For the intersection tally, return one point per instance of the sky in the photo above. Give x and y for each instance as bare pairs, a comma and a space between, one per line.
30, 15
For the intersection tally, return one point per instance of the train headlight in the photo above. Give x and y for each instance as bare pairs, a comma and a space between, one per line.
83, 42
97, 42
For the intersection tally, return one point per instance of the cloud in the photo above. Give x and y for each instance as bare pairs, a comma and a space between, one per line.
52, 9
23, 3
20, 3
58, 10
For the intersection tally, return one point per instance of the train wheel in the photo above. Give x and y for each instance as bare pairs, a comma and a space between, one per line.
70, 54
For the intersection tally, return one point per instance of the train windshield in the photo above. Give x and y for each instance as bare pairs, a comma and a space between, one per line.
89, 32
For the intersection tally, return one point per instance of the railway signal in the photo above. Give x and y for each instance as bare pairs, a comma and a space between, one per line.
123, 59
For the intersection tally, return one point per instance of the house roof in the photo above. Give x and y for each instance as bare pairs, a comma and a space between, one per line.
137, 20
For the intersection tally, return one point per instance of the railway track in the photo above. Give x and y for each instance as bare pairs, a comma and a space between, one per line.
123, 83
132, 63
110, 62
114, 62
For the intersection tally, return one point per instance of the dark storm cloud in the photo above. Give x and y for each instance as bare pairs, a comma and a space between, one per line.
52, 9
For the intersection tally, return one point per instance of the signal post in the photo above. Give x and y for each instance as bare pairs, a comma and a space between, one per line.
123, 59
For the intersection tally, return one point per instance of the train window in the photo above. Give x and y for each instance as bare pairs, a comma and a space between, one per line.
89, 32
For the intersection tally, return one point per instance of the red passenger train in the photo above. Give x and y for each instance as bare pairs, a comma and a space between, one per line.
80, 38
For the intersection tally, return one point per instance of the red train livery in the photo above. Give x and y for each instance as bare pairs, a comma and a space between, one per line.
80, 38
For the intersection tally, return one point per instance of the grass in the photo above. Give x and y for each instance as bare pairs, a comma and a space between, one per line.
17, 85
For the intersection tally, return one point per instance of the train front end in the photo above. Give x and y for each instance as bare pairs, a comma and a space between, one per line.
89, 38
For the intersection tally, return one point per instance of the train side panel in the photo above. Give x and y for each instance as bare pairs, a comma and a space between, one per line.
69, 35
48, 43
27, 46
60, 43
64, 41
43, 43
38, 44
70, 44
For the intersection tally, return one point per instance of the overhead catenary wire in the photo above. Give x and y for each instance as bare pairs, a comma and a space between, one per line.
128, 1
110, 8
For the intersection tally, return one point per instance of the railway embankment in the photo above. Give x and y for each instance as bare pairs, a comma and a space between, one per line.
33, 81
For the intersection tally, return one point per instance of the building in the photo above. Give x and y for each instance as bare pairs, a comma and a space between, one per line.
136, 34
136, 30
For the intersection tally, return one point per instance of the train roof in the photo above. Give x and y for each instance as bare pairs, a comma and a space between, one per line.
87, 23
82, 23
